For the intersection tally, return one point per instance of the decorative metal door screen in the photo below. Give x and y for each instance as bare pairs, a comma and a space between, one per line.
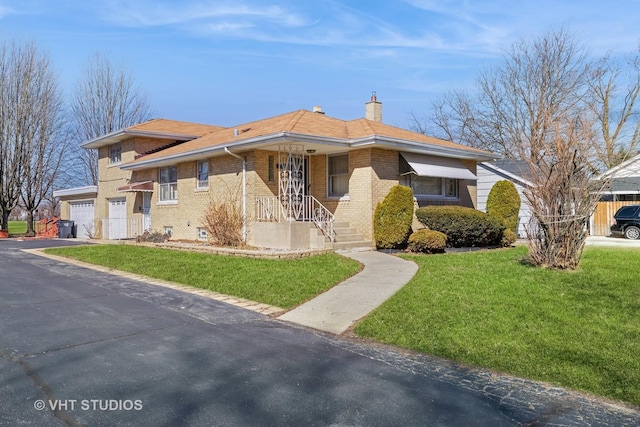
291, 189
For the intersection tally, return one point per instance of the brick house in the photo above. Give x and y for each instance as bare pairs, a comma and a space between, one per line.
304, 179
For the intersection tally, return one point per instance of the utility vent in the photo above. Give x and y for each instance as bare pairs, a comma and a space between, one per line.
318, 109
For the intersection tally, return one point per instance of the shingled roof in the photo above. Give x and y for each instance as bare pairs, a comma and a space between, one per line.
155, 128
315, 130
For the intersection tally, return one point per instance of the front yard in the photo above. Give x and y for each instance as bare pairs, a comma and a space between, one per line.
284, 283
579, 330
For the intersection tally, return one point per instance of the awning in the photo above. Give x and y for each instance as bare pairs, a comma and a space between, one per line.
137, 186
439, 167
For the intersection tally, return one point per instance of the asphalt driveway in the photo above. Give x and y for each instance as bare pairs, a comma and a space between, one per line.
80, 347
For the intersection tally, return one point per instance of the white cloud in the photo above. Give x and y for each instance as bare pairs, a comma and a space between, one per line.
164, 13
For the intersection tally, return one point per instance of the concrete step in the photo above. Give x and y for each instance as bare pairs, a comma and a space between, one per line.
349, 238
341, 224
350, 245
345, 230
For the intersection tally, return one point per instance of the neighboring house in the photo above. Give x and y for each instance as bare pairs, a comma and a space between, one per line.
512, 170
624, 189
294, 174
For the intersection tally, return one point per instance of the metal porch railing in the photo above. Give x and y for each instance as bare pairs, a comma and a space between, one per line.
304, 209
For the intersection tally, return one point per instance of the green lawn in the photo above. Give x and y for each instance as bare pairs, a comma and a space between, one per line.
17, 227
575, 329
283, 283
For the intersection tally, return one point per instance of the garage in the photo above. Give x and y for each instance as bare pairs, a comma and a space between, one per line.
81, 213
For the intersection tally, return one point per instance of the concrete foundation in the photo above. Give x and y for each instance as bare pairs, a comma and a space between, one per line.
287, 235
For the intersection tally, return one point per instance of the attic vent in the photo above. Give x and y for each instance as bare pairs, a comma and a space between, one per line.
318, 109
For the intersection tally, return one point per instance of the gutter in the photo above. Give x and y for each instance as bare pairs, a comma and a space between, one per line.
244, 192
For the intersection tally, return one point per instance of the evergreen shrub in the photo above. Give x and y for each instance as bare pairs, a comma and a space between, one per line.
392, 219
464, 227
427, 241
503, 203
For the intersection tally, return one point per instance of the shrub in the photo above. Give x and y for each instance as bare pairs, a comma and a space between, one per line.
392, 219
223, 222
427, 241
463, 226
503, 203
509, 237
152, 237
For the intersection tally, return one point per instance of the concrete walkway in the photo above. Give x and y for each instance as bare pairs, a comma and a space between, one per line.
341, 306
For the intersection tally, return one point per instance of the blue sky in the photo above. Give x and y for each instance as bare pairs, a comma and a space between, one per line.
228, 62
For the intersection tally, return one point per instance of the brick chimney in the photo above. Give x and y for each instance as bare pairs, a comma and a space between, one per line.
373, 109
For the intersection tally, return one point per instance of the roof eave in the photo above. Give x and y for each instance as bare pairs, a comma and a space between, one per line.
120, 135
239, 144
399, 144
425, 148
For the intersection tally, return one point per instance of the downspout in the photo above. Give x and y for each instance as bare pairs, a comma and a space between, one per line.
244, 192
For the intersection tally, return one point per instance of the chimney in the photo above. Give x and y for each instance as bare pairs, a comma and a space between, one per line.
318, 109
373, 109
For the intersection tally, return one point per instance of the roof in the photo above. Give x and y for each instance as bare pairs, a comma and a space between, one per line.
319, 132
515, 170
630, 167
155, 128
624, 185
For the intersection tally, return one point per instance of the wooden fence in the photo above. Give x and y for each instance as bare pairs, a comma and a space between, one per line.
603, 217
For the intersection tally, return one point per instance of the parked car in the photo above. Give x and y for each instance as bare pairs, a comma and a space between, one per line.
627, 222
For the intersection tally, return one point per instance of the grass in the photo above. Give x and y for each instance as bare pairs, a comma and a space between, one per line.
283, 283
578, 329
17, 227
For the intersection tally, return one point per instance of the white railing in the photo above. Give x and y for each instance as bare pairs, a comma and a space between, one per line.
121, 228
305, 209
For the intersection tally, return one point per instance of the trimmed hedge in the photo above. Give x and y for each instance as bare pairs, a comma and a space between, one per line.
464, 227
427, 241
503, 203
392, 219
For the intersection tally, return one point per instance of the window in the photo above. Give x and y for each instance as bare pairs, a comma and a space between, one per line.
115, 154
432, 186
203, 174
202, 233
168, 230
168, 183
338, 175
271, 168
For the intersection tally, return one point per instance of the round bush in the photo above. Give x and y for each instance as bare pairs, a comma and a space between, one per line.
392, 219
427, 241
464, 227
508, 238
503, 203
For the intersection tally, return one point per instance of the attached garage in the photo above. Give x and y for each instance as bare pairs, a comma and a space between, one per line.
78, 205
82, 214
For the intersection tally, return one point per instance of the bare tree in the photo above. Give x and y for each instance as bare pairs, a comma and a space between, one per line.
106, 100
564, 195
538, 107
614, 89
46, 145
18, 120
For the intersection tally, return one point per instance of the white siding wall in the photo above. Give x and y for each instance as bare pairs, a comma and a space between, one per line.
486, 179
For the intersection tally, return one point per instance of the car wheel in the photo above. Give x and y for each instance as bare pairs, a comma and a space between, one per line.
632, 233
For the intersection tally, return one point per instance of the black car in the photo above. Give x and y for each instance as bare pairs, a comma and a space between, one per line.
627, 222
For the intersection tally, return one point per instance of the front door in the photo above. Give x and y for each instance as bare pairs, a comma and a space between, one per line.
292, 181
146, 211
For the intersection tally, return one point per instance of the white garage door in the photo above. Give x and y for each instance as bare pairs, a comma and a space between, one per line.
117, 218
81, 213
